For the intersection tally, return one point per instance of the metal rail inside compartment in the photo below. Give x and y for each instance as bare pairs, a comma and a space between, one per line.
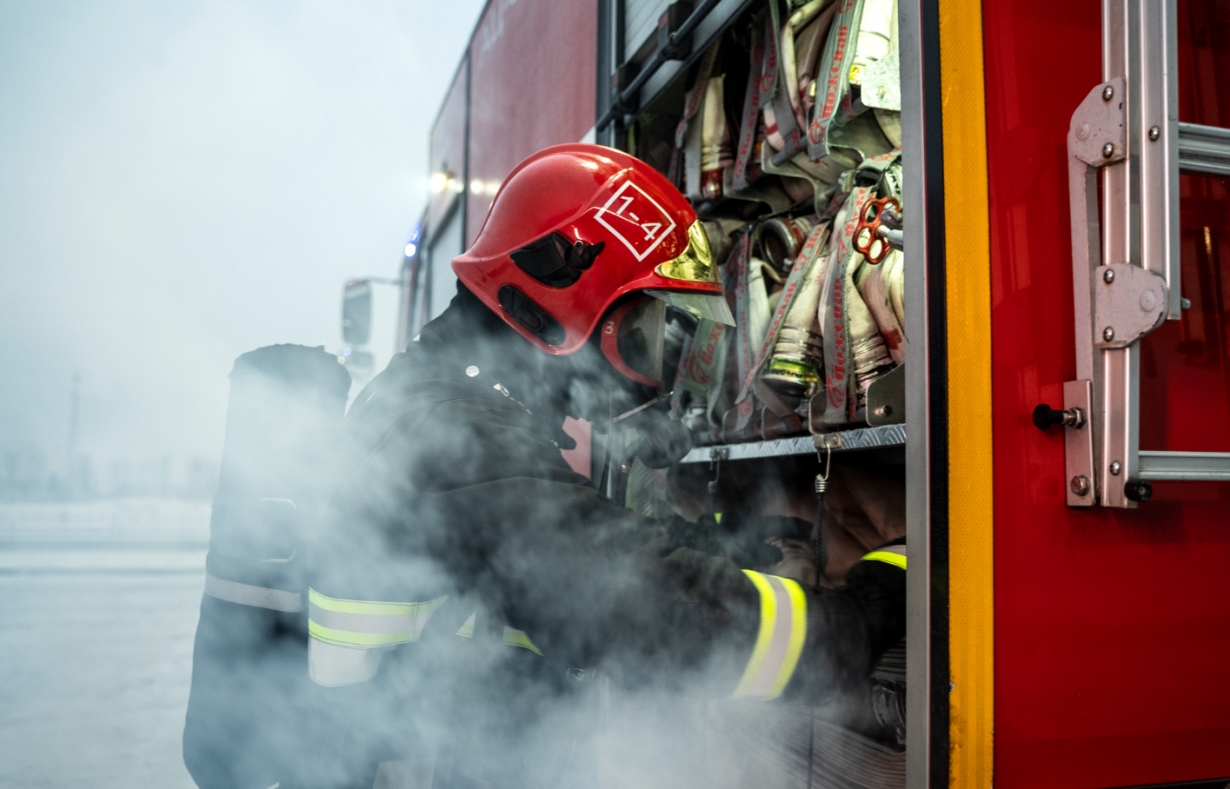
882, 437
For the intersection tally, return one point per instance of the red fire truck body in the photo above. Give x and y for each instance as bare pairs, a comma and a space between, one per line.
1109, 624
1057, 638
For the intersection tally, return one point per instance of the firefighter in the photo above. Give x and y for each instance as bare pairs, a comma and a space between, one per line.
471, 570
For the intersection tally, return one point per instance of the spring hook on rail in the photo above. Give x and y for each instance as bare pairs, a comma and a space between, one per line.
819, 554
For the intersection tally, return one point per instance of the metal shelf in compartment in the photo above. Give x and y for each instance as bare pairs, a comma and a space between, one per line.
839, 441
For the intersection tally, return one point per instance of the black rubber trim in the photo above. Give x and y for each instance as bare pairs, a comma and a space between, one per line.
937, 390
529, 314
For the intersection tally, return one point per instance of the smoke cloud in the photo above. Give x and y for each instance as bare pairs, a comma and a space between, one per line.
182, 182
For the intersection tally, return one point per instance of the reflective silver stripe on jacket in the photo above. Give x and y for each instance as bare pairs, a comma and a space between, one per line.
347, 638
783, 631
332, 665
255, 596
367, 623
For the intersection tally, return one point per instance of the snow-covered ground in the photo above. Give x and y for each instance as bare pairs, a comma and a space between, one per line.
101, 603
140, 520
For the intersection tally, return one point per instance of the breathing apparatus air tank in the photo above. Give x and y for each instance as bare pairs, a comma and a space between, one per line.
249, 711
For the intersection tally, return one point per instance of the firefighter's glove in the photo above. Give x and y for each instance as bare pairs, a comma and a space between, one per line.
655, 439
751, 541
848, 630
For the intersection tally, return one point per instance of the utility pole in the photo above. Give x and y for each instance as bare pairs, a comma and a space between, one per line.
70, 476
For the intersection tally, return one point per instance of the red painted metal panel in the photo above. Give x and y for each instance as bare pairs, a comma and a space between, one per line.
534, 65
1112, 628
447, 154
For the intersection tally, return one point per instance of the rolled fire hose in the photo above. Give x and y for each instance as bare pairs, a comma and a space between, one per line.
852, 328
871, 356
793, 370
873, 285
896, 287
875, 32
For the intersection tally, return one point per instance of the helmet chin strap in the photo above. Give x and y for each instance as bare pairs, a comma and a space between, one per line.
642, 407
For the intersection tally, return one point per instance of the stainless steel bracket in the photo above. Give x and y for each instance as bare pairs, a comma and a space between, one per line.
1128, 303
1097, 140
1078, 446
1125, 250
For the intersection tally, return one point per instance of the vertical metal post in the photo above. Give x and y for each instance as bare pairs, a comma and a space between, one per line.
464, 195
1116, 373
602, 90
926, 442
1139, 221
1153, 135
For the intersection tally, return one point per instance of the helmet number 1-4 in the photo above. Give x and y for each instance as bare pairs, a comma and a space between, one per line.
636, 219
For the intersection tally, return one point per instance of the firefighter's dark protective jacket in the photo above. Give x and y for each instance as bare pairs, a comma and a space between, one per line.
457, 522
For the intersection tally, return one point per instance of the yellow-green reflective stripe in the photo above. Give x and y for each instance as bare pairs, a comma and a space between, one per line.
798, 635
768, 618
363, 624
467, 628
888, 557
372, 607
349, 638
518, 638
780, 640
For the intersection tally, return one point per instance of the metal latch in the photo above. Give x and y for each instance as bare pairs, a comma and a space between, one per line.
1128, 303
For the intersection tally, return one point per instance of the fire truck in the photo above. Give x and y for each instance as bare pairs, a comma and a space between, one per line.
1010, 219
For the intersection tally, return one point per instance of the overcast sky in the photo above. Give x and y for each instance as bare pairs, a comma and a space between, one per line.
184, 181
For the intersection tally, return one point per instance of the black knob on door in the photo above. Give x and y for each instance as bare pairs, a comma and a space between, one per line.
1045, 416
1140, 490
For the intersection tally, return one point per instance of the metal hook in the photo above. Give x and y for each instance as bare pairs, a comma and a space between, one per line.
822, 480
819, 554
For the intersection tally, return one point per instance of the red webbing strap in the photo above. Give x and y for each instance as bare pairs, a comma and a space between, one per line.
781, 126
752, 102
743, 342
803, 268
836, 79
703, 363
677, 386
690, 107
840, 398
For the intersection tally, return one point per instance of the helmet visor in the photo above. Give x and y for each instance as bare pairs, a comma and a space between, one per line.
632, 339
694, 265
707, 306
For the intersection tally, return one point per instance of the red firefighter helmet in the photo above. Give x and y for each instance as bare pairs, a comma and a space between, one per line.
576, 228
